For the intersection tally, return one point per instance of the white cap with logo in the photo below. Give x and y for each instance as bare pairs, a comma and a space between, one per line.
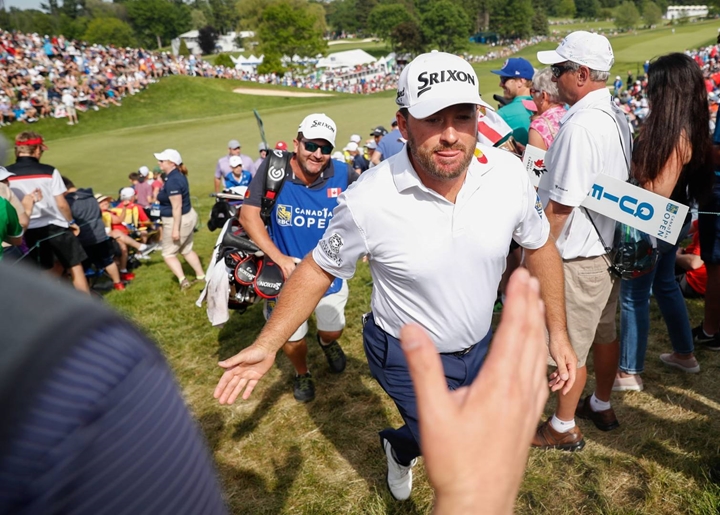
235, 161
318, 126
584, 48
169, 154
434, 81
127, 193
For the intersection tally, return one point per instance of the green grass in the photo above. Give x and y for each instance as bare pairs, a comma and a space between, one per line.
277, 456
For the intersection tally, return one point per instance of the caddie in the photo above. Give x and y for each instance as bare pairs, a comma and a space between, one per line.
299, 217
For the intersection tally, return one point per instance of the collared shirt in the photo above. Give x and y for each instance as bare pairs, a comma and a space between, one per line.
517, 117
588, 144
434, 262
31, 174
223, 166
390, 144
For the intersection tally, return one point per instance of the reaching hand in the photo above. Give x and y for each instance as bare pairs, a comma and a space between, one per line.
564, 355
475, 440
287, 264
242, 372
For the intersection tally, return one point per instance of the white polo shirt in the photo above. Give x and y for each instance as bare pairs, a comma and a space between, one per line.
434, 262
587, 144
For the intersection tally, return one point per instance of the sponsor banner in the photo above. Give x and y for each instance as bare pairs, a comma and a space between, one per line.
639, 208
534, 163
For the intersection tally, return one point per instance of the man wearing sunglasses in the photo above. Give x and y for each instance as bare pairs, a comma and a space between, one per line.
435, 221
515, 80
300, 215
593, 139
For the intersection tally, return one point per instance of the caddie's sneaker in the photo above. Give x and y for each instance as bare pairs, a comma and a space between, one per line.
546, 437
304, 388
399, 477
334, 354
184, 284
707, 342
604, 420
689, 365
634, 383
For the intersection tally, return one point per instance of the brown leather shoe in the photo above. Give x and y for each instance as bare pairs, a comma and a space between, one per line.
547, 438
604, 420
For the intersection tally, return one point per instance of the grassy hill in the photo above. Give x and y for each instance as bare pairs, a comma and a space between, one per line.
277, 456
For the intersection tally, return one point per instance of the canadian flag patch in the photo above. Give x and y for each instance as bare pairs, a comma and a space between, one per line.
334, 192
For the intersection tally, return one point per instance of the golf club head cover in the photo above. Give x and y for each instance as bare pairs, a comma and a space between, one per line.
269, 279
239, 241
232, 257
246, 270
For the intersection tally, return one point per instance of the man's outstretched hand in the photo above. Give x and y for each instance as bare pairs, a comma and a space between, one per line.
242, 372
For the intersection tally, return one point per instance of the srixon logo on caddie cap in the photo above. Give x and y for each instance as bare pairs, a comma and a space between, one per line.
428, 80
320, 123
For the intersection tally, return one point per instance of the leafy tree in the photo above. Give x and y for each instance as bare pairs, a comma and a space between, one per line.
626, 16
445, 26
285, 30
342, 16
271, 64
407, 38
385, 17
539, 22
362, 11
250, 12
156, 21
197, 19
566, 8
51, 7
73, 8
224, 15
651, 13
207, 39
183, 50
30, 20
109, 31
609, 4
317, 11
223, 59
100, 9
587, 8
512, 18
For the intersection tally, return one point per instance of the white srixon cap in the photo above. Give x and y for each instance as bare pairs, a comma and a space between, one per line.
169, 154
584, 48
318, 126
434, 81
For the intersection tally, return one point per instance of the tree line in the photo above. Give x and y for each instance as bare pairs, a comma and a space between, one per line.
289, 27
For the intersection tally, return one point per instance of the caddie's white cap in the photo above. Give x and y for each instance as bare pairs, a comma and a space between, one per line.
318, 126
127, 193
4, 173
434, 81
235, 161
144, 171
351, 147
169, 154
355, 138
584, 48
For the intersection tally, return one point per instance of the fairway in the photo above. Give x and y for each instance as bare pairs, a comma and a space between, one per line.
275, 455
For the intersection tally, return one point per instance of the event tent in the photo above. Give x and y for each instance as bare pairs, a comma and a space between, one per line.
346, 59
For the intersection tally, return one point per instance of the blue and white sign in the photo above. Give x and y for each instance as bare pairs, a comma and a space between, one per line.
637, 207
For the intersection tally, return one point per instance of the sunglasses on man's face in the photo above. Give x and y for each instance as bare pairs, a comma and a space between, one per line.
557, 70
311, 147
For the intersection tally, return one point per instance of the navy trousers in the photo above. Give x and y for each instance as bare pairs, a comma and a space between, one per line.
389, 368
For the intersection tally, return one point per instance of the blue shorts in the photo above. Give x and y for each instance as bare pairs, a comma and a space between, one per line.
709, 228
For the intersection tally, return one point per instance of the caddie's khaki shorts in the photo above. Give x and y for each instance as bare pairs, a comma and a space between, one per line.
187, 227
329, 313
591, 296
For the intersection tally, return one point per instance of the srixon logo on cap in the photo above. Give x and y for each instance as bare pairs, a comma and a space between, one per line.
320, 123
428, 80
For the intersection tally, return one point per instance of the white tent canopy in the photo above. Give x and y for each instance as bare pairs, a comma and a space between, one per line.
346, 59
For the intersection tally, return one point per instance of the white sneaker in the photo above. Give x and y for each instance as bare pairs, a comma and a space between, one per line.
399, 477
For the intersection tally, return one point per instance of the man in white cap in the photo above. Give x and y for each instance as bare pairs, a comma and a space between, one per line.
593, 139
298, 219
356, 159
436, 224
223, 165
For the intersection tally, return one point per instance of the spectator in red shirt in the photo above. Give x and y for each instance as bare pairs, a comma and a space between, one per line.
693, 275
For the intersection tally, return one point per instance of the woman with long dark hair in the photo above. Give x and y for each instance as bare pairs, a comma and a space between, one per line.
672, 158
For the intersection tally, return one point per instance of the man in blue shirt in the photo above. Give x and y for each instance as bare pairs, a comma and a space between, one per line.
302, 211
391, 144
237, 176
515, 80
